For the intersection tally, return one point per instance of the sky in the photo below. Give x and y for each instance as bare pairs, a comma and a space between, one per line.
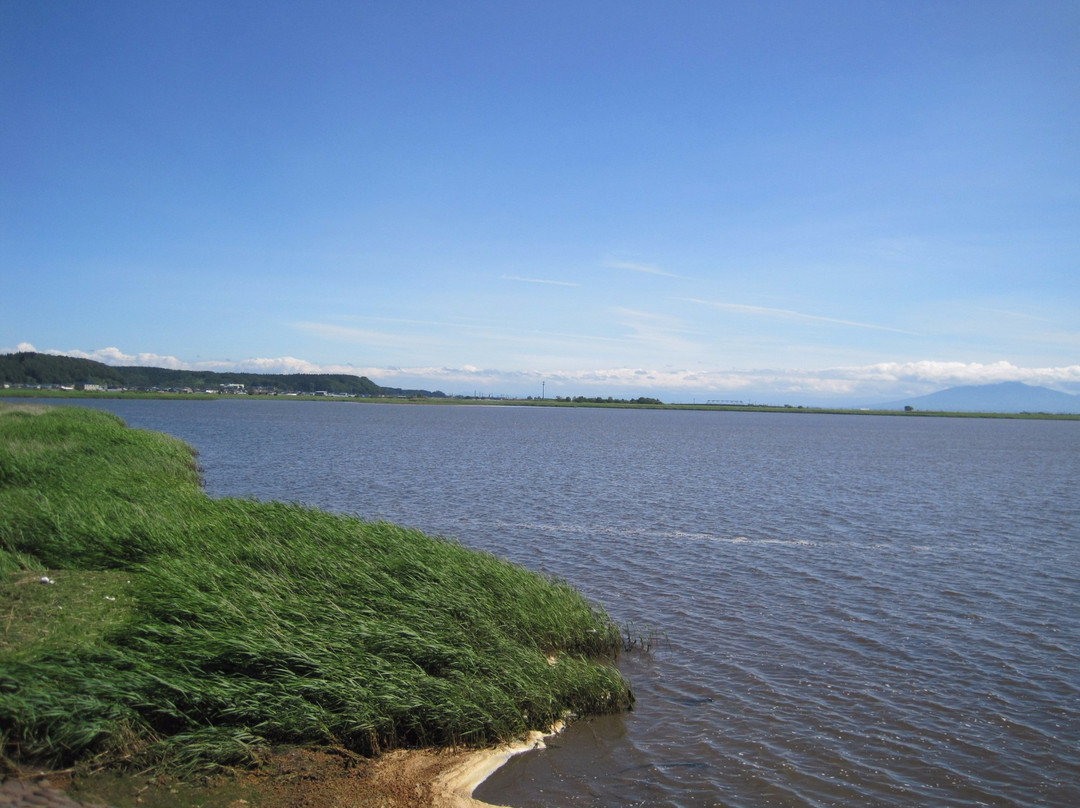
785, 202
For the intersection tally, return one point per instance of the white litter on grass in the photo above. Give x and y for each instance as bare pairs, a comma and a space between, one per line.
45, 579
109, 597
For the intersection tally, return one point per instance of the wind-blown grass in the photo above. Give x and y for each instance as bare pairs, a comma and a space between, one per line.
185, 629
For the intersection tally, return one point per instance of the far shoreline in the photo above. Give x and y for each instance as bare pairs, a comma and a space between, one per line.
24, 393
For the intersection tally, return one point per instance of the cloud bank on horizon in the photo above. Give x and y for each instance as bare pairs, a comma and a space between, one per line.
866, 384
802, 203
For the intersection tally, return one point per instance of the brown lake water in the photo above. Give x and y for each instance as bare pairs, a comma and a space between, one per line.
852, 610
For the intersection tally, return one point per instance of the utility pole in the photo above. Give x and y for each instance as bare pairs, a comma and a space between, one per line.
543, 390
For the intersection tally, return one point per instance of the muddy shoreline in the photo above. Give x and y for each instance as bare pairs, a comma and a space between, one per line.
289, 778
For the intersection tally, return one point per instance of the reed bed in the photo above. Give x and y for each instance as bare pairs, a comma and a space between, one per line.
197, 632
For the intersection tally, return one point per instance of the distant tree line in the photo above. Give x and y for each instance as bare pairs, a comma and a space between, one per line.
35, 368
29, 368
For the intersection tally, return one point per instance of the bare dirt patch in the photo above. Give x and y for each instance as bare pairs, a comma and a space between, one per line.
289, 778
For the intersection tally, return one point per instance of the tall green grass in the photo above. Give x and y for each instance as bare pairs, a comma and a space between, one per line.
212, 629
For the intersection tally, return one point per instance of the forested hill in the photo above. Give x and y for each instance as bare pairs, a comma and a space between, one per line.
37, 368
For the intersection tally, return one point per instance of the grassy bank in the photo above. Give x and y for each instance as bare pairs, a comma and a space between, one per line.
179, 629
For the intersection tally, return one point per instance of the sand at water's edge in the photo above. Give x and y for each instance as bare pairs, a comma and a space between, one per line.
316, 778
454, 787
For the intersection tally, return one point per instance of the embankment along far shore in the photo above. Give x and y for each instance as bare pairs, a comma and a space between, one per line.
14, 394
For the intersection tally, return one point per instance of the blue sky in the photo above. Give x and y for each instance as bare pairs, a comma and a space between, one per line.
779, 201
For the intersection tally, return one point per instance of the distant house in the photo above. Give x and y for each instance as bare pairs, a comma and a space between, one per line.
234, 389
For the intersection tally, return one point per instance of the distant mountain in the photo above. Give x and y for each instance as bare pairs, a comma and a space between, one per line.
47, 369
1003, 397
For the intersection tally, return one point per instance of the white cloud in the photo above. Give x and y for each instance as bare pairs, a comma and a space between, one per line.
646, 268
657, 332
114, 356
868, 383
787, 313
363, 336
959, 373
287, 364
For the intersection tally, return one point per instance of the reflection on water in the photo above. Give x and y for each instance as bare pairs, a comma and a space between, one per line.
855, 610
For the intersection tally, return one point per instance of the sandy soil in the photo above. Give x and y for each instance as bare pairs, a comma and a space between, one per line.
290, 778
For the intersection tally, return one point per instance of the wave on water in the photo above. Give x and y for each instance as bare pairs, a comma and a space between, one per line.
548, 528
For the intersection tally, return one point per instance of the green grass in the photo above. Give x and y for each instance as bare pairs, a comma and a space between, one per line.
190, 631
69, 615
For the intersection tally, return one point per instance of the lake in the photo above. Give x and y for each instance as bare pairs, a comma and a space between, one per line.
845, 610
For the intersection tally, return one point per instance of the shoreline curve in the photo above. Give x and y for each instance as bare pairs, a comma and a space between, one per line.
454, 787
